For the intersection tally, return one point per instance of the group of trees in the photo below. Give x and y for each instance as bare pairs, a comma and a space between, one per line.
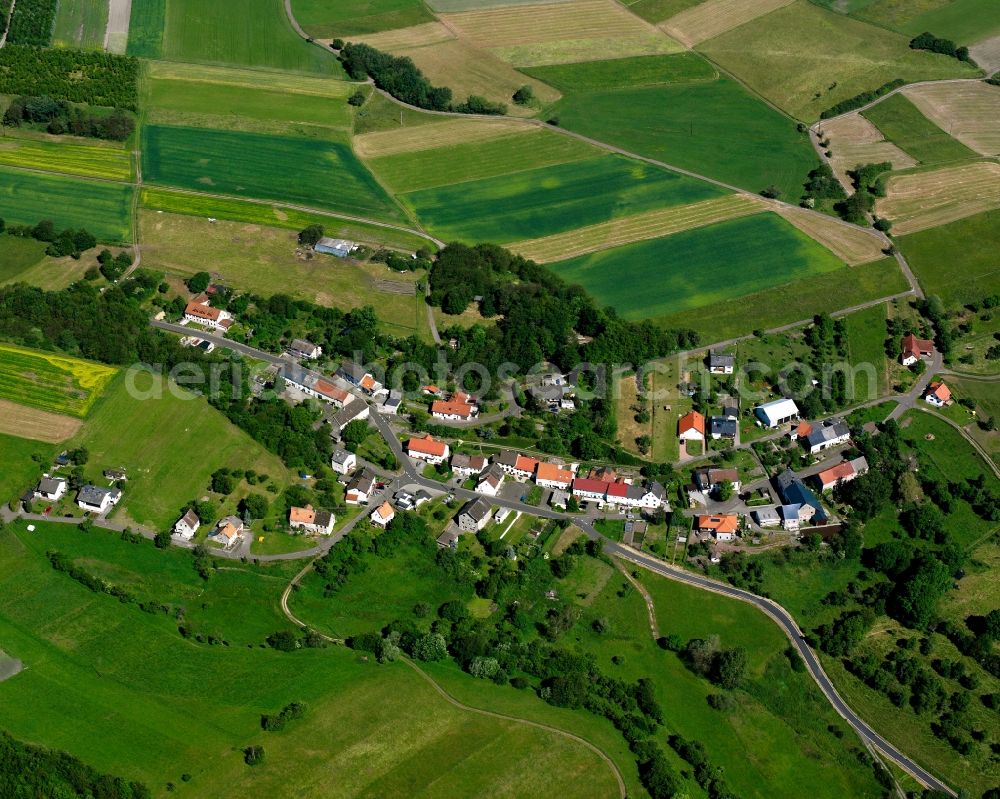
78, 76
869, 183
28, 770
935, 44
822, 184
61, 242
401, 78
59, 117
31, 22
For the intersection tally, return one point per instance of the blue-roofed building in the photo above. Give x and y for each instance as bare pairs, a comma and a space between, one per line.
794, 492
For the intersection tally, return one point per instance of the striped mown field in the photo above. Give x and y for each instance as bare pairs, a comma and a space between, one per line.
968, 111
926, 199
109, 162
714, 17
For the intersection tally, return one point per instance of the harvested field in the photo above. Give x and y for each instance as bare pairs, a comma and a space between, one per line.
851, 245
987, 54
580, 30
928, 199
902, 123
650, 225
468, 69
710, 19
119, 17
968, 111
259, 79
854, 140
23, 422
434, 135
414, 36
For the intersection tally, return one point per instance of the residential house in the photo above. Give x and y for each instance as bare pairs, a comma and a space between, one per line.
475, 515
311, 520
766, 517
355, 409
199, 309
843, 472
314, 385
796, 515
516, 465
428, 449
300, 348
691, 427
801, 430
588, 489
228, 531
421, 497
391, 405
382, 515
431, 391
187, 525
730, 409
343, 462
548, 475
938, 394
558, 499
723, 427
651, 495
776, 413
831, 433
361, 487
94, 499
466, 466
720, 363
453, 410
723, 526
914, 349
52, 489
116, 475
709, 479
339, 248
794, 492
448, 540
491, 481
357, 376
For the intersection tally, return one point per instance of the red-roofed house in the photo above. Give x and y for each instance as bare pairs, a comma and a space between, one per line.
938, 394
691, 427
587, 488
803, 429
200, 310
723, 527
548, 475
453, 410
427, 449
914, 349
843, 472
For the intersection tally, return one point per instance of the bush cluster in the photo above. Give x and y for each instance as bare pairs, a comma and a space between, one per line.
59, 117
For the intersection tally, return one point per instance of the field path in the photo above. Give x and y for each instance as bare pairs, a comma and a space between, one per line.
10, 16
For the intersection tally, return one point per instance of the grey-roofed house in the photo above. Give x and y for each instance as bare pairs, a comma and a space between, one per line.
468, 465
391, 404
448, 540
722, 427
361, 487
355, 409
343, 461
766, 517
720, 363
709, 479
95, 499
301, 348
51, 488
475, 515
794, 492
829, 434
187, 525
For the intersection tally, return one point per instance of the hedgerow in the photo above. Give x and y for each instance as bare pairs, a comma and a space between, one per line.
861, 99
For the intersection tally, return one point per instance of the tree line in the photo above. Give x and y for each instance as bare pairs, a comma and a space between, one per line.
59, 117
78, 76
861, 99
936, 44
61, 242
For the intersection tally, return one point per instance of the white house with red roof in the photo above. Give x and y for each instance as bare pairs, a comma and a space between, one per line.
914, 349
938, 394
428, 449
199, 309
516, 465
548, 475
691, 427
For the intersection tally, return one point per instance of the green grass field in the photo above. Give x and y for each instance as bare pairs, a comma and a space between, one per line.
805, 59
162, 432
698, 268
80, 23
247, 32
17, 255
626, 73
102, 208
964, 21
326, 20
902, 123
309, 172
552, 199
262, 260
660, 10
714, 128
19, 469
460, 163
957, 261
794, 301
111, 163
263, 213
866, 334
145, 28
123, 691
51, 382
215, 103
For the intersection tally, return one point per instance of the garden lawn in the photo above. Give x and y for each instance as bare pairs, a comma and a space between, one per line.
246, 32
310, 172
19, 470
552, 199
101, 208
698, 268
153, 440
796, 301
145, 28
957, 261
715, 128
805, 59
110, 162
902, 123
122, 690
51, 382
80, 23
326, 20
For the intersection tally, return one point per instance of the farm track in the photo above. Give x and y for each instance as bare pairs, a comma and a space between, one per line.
10, 16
